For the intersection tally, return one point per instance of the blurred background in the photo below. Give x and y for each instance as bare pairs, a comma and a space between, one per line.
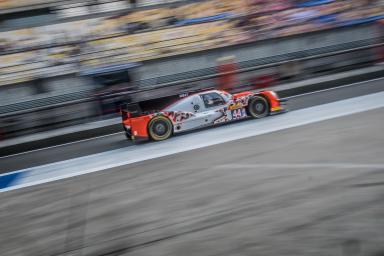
308, 182
70, 62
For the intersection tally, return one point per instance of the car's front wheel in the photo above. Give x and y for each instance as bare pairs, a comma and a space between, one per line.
160, 128
258, 107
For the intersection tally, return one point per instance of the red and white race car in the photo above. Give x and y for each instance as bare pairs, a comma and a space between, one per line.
197, 110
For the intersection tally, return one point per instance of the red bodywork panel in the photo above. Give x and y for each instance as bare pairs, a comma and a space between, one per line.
270, 95
138, 125
242, 94
273, 100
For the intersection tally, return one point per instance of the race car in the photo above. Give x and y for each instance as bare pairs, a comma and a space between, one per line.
196, 110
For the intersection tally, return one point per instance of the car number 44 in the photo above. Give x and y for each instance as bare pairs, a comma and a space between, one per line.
238, 113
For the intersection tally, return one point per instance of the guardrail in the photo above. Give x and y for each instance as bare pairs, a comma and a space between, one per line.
185, 78
278, 60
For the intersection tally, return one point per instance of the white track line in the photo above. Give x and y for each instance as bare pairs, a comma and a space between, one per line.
302, 166
60, 145
124, 156
366, 82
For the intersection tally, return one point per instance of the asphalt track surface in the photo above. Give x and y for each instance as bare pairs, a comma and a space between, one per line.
116, 141
316, 189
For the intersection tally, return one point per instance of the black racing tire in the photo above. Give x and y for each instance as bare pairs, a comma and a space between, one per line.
258, 107
160, 128
127, 133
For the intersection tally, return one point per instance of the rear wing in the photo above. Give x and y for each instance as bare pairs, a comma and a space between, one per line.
130, 110
146, 107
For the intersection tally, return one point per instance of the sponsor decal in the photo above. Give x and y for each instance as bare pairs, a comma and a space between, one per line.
225, 117
240, 102
276, 108
179, 116
238, 113
235, 105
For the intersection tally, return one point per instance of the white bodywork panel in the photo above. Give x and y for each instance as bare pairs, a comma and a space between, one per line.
193, 112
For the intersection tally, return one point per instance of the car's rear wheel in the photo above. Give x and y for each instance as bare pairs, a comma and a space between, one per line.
160, 128
258, 107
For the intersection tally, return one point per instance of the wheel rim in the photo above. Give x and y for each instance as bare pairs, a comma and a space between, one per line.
259, 108
160, 128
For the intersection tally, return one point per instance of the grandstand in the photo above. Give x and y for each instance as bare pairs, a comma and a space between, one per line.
143, 34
